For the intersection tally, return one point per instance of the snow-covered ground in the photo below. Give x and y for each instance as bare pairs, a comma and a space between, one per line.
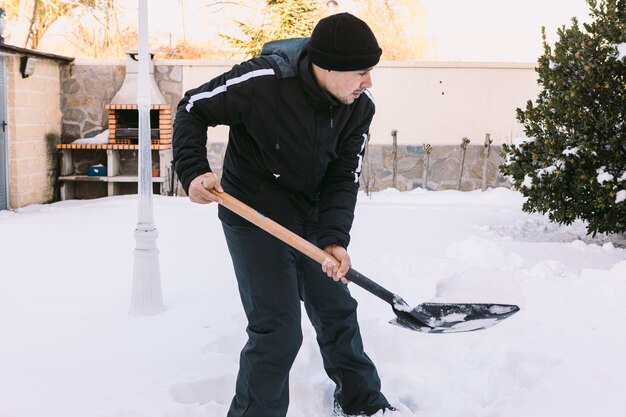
70, 348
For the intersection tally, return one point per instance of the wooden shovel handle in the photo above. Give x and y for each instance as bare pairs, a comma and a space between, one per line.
273, 228
302, 245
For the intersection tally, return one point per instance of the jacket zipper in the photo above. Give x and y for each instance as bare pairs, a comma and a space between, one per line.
330, 109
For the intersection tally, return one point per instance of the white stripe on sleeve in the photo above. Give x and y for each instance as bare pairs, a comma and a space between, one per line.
360, 156
229, 83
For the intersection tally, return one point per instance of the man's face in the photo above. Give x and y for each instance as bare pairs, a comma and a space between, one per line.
347, 86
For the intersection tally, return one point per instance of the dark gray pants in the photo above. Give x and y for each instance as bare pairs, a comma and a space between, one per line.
273, 278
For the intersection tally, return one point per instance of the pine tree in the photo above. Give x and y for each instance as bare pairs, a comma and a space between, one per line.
289, 19
573, 163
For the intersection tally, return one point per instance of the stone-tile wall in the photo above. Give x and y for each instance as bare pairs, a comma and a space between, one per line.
444, 167
169, 79
86, 89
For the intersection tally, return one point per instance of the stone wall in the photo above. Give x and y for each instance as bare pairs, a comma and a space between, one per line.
86, 89
88, 86
444, 167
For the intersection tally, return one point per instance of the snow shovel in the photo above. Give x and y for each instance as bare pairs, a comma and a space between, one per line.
425, 318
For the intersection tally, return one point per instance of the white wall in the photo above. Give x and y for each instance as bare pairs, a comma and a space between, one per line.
427, 102
439, 103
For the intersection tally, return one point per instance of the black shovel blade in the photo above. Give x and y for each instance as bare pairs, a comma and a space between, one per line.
451, 318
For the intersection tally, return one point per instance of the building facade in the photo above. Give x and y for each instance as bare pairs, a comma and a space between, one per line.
30, 112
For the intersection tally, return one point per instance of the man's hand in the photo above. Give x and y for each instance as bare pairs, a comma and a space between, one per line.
331, 269
200, 186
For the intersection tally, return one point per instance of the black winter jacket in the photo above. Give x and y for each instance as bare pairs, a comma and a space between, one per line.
294, 152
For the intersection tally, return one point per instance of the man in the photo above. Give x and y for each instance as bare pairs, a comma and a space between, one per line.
299, 115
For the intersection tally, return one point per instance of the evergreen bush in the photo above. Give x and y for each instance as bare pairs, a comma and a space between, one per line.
572, 163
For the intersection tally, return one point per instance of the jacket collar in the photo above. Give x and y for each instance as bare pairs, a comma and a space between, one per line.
290, 59
316, 97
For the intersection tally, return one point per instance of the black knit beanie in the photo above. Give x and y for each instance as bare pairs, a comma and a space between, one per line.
343, 42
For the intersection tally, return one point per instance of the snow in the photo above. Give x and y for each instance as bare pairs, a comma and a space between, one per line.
70, 348
570, 151
100, 138
620, 196
603, 176
558, 164
522, 140
621, 51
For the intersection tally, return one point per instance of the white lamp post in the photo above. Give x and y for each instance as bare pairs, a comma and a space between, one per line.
147, 297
